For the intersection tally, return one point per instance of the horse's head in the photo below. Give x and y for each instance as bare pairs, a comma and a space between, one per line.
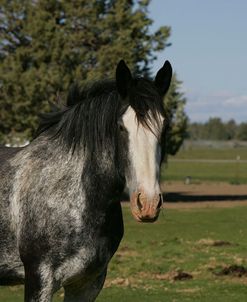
142, 128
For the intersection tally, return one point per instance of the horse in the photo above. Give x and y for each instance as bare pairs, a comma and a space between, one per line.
60, 213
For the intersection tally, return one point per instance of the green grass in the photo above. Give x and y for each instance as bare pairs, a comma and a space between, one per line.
205, 171
212, 153
232, 172
150, 254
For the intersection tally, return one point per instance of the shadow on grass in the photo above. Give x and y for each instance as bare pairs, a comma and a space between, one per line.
187, 197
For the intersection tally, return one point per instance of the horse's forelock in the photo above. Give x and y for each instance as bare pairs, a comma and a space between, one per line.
90, 118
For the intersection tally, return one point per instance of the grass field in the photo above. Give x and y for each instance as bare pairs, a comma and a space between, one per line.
190, 163
212, 153
176, 259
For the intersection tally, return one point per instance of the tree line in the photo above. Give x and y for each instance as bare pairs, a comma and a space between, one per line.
216, 129
46, 45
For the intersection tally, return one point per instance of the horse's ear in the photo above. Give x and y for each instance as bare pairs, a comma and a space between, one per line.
74, 95
123, 78
163, 78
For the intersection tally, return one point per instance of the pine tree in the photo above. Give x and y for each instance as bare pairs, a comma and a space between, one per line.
46, 45
242, 132
174, 104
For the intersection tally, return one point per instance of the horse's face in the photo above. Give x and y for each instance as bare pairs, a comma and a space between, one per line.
142, 170
144, 158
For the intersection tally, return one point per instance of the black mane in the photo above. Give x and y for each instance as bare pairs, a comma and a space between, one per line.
89, 118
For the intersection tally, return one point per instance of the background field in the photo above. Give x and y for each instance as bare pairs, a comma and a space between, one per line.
176, 259
208, 164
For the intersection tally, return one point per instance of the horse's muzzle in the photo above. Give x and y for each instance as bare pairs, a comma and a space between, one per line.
144, 208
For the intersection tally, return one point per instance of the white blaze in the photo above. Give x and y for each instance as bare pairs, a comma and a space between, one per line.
144, 155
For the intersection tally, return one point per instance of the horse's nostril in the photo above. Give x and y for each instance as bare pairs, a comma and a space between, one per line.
160, 201
138, 201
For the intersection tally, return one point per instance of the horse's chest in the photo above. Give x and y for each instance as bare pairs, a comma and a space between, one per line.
93, 246
91, 259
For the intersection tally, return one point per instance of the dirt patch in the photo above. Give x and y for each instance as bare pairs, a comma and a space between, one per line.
222, 243
169, 276
180, 195
189, 290
121, 282
125, 251
231, 270
216, 243
181, 276
136, 281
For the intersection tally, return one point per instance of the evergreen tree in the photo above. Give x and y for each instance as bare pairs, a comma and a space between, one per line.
46, 45
215, 129
231, 129
174, 104
242, 132
195, 131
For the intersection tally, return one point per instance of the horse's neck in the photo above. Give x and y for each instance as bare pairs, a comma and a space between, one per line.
48, 168
52, 159
53, 166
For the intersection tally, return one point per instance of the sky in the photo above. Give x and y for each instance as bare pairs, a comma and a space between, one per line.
208, 53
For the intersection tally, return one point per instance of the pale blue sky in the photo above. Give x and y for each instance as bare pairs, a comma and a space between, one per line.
209, 54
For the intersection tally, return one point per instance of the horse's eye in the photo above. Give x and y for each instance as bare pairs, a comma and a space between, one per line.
121, 126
